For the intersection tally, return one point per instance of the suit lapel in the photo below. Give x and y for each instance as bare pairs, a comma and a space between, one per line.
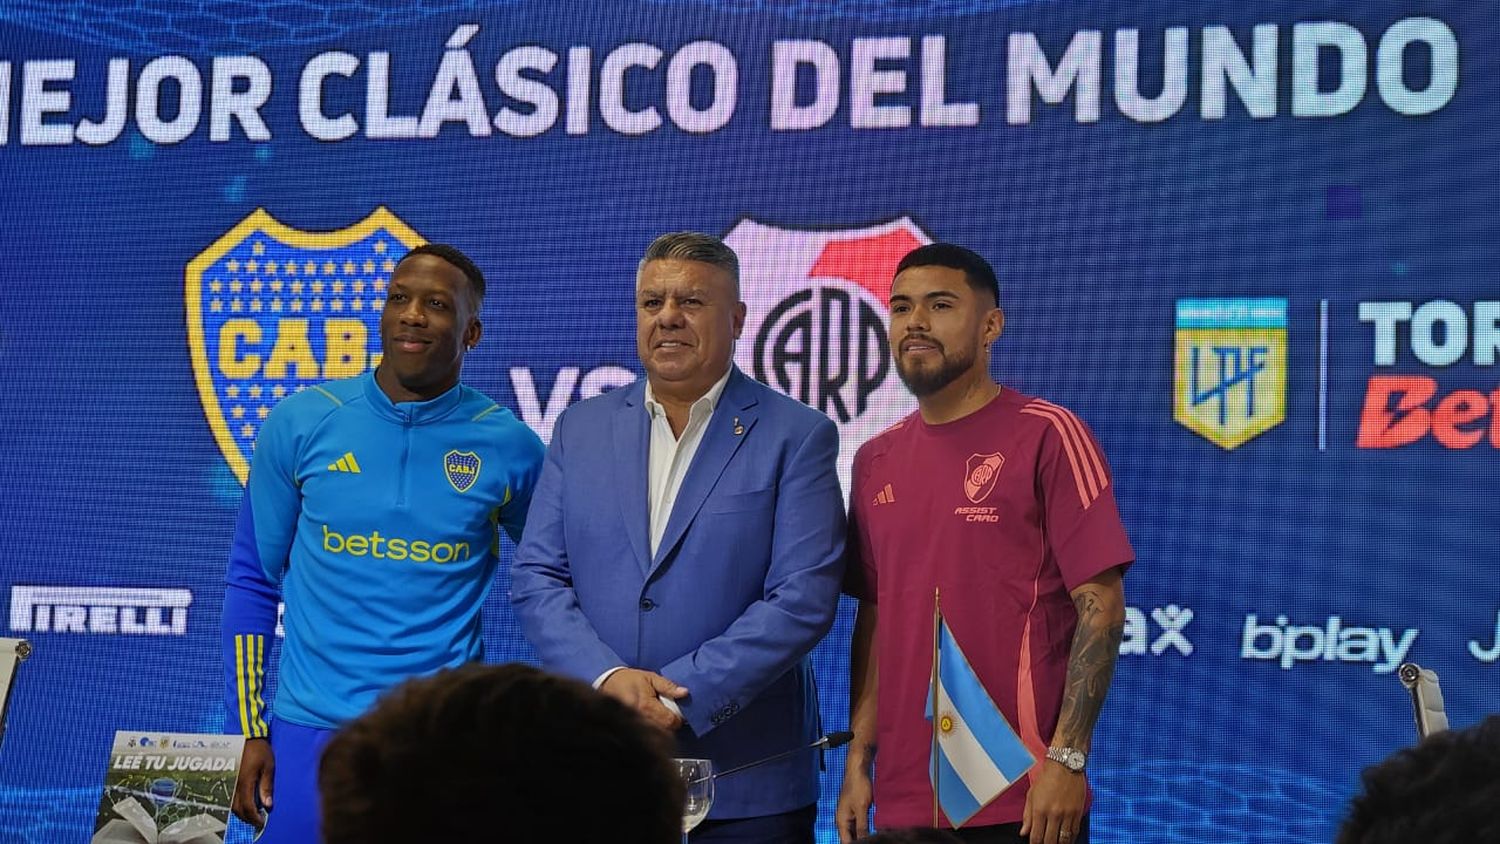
632, 484
719, 444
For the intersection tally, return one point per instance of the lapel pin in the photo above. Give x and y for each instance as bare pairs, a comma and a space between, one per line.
739, 429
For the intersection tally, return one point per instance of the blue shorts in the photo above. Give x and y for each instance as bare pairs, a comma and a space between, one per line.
294, 817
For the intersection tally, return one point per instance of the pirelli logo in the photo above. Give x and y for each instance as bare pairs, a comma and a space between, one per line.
96, 610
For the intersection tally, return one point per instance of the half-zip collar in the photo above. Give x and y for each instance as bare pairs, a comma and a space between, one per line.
411, 412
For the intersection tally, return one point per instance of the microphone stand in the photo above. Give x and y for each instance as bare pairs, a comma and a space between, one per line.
828, 742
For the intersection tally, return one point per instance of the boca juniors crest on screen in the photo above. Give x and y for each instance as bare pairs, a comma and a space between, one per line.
272, 310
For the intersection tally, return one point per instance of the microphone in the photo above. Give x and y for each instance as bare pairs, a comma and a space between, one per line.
838, 739
827, 742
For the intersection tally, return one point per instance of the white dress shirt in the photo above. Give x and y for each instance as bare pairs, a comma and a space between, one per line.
668, 457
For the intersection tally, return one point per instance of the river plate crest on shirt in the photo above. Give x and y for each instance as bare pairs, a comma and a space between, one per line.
980, 475
272, 310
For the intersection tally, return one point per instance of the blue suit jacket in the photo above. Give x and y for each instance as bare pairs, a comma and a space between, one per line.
744, 583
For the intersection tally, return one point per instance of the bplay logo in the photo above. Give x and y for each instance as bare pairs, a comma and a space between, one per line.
818, 315
1288, 644
99, 610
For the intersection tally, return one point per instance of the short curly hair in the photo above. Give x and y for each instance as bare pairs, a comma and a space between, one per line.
454, 256
1443, 791
977, 271
499, 753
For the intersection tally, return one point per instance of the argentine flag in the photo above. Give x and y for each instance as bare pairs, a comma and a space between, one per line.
975, 753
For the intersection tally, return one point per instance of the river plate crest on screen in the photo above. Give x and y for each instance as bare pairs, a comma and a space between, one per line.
272, 310
817, 317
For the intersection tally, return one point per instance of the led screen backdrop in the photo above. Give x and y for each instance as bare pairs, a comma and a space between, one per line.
1252, 244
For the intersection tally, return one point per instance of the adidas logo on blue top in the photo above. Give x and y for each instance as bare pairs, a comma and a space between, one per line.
347, 463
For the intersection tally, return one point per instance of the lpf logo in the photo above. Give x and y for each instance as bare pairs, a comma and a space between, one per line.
1230, 361
272, 310
818, 314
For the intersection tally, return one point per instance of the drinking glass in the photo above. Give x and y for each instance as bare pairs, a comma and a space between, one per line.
698, 779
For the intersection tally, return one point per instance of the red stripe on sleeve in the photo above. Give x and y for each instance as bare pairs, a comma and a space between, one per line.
1086, 444
1086, 492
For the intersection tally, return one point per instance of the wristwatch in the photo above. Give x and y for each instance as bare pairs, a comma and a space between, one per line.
1069, 757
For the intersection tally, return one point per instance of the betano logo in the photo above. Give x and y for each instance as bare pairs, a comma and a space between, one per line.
100, 610
818, 314
272, 309
1229, 384
394, 547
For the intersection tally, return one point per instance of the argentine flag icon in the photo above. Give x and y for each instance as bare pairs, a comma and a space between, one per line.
975, 753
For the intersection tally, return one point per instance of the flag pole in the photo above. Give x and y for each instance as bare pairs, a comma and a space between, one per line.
936, 717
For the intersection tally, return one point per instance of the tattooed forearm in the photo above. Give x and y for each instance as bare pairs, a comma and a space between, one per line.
1091, 664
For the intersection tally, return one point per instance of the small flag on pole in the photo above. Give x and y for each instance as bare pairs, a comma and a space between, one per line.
976, 754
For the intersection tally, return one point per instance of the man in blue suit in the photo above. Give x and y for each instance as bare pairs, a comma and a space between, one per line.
684, 547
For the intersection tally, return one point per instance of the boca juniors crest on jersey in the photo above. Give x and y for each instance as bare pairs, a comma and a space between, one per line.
272, 310
818, 317
1230, 380
461, 468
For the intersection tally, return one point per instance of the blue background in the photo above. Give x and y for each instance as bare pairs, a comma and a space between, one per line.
113, 477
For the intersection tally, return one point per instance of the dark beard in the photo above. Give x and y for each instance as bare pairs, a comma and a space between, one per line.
928, 381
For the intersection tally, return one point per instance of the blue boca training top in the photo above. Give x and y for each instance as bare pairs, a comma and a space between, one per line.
376, 523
